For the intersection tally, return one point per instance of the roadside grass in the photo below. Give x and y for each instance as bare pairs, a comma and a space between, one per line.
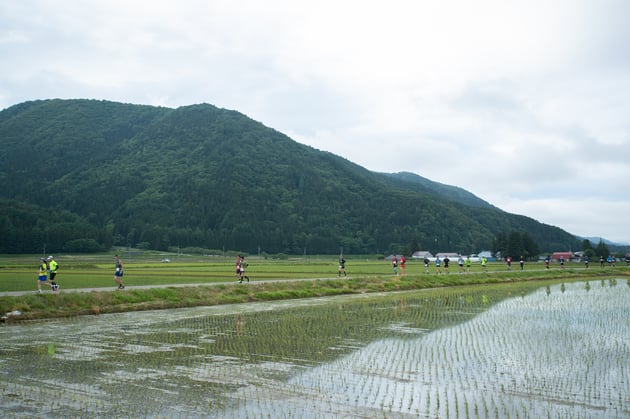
291, 279
19, 273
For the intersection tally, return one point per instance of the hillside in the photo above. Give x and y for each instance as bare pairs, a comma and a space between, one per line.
454, 193
117, 174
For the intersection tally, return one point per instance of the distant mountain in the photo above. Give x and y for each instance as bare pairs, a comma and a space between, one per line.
87, 174
453, 193
596, 240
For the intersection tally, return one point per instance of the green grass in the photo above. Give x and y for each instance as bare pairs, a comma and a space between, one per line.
19, 273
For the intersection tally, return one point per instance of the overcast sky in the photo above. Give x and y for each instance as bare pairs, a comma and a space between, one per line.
525, 103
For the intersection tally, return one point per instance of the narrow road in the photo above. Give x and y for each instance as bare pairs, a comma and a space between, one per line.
144, 287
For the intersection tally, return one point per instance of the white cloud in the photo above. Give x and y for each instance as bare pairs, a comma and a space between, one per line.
585, 215
524, 103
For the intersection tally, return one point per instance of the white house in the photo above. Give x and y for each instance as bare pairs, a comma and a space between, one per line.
451, 255
421, 254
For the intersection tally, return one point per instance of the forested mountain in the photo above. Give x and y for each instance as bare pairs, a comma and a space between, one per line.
418, 183
82, 175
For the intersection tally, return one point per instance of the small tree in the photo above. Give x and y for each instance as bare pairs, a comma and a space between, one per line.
602, 249
413, 247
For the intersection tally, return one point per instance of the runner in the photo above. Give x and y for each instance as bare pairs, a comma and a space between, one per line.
242, 275
437, 265
239, 259
52, 271
119, 273
42, 278
342, 267
403, 265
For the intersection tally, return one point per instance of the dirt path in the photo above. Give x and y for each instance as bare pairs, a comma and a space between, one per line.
141, 287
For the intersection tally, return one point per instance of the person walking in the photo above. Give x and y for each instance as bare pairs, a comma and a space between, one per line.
403, 265
484, 263
468, 264
460, 263
395, 264
426, 265
508, 261
42, 277
118, 274
342, 266
522, 262
52, 273
446, 261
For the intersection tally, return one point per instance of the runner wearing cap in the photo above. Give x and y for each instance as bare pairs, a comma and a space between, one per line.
52, 273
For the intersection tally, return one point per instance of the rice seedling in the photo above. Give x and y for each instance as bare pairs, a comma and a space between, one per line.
505, 350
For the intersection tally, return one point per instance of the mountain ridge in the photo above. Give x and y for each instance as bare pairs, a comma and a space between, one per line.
208, 177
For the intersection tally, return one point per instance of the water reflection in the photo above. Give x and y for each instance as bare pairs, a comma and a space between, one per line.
450, 352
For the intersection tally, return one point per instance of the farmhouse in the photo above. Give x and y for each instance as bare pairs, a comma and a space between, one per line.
421, 254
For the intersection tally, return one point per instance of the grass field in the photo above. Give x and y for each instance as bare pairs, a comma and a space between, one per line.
19, 273
271, 280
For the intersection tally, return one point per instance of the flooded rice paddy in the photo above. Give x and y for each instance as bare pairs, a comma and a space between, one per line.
509, 351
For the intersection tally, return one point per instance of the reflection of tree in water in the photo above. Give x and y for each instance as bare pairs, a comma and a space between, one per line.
239, 325
402, 305
587, 285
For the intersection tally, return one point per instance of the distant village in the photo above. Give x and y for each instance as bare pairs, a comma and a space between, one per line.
554, 257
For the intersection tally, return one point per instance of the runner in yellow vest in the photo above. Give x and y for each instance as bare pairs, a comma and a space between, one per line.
42, 278
52, 272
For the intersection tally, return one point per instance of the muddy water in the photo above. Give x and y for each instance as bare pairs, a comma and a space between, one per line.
557, 351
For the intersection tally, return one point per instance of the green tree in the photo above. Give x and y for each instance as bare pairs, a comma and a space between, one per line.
515, 244
602, 249
413, 247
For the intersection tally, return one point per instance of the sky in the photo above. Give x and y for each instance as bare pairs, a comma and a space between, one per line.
525, 103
